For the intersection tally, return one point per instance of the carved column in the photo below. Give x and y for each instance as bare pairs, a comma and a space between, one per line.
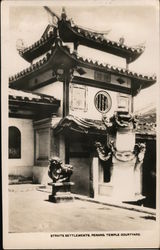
127, 159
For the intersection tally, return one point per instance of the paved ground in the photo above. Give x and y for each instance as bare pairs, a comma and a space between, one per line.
30, 211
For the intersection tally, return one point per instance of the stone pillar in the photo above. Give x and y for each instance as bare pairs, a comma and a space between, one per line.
123, 180
127, 160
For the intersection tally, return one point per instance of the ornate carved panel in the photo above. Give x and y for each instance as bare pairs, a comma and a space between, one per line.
123, 102
78, 97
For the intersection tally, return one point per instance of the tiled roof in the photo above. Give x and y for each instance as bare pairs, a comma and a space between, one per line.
116, 69
131, 53
146, 122
40, 47
83, 36
146, 128
30, 69
81, 60
80, 125
15, 94
41, 41
96, 126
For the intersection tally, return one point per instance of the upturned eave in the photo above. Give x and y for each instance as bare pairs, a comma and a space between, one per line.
60, 56
40, 47
70, 32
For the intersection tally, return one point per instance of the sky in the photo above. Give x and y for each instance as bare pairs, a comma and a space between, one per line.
137, 23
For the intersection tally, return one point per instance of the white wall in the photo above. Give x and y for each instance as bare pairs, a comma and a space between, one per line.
92, 112
25, 163
54, 89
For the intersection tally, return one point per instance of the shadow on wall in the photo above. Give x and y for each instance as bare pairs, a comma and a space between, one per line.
81, 168
149, 175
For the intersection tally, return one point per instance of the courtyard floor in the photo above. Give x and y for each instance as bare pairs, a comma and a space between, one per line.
30, 211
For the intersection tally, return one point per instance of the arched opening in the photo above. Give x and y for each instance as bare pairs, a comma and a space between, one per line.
14, 143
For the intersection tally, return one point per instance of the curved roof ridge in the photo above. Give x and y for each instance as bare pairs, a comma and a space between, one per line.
119, 48
23, 94
83, 36
100, 35
75, 56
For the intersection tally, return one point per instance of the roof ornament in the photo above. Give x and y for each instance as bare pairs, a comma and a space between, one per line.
121, 40
20, 45
64, 15
51, 12
53, 20
72, 22
154, 76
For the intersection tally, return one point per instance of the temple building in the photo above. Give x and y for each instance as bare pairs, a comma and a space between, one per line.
81, 110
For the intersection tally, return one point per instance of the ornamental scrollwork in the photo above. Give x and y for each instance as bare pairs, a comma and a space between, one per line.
102, 152
123, 156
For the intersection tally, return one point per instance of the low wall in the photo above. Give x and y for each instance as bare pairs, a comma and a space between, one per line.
26, 171
39, 174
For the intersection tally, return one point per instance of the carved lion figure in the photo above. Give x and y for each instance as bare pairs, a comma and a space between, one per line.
59, 172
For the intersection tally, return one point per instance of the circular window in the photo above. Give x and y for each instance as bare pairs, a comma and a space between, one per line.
103, 101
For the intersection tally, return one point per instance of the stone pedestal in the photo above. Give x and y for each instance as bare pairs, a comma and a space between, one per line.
61, 192
126, 181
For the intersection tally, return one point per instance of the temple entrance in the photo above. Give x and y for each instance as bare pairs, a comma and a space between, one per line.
104, 178
80, 159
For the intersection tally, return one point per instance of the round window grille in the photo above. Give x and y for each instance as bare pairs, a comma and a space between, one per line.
103, 101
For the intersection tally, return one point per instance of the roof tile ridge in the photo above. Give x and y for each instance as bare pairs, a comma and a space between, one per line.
33, 95
32, 67
59, 43
114, 68
138, 48
38, 43
41, 62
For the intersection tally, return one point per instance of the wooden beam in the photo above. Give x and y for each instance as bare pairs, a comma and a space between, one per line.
23, 116
66, 93
99, 84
